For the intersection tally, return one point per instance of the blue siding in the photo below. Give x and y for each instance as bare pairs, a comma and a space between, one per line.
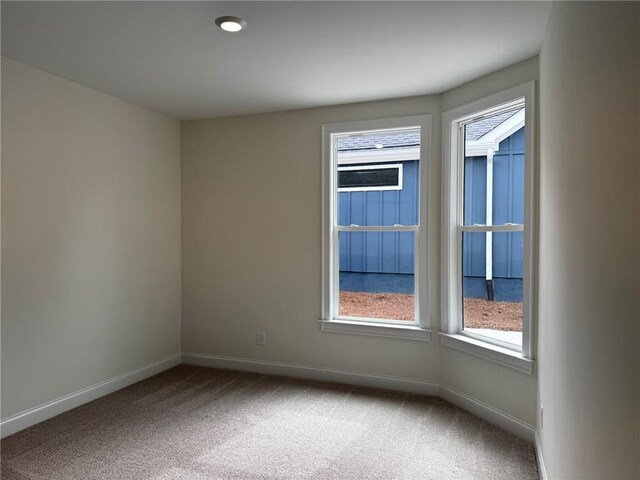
508, 207
475, 204
377, 252
391, 252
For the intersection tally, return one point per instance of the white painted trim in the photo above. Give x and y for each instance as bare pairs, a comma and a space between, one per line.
509, 227
489, 351
397, 186
542, 470
424, 236
312, 373
483, 335
530, 260
488, 413
451, 143
491, 140
452, 178
330, 259
470, 404
375, 156
43, 412
507, 128
375, 329
488, 269
395, 228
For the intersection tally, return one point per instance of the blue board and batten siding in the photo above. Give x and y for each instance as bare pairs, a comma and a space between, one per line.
508, 207
393, 252
377, 252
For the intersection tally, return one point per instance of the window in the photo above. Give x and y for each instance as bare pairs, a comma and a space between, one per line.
375, 243
487, 227
370, 177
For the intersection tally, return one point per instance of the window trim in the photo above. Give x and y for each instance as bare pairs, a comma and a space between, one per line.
451, 300
374, 329
382, 166
419, 329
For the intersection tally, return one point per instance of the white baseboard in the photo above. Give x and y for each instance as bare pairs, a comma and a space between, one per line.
488, 413
311, 373
539, 458
38, 414
478, 408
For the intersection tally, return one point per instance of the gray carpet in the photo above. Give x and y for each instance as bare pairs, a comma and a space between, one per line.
192, 423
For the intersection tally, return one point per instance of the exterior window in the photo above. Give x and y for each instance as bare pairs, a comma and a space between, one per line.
370, 177
488, 202
374, 245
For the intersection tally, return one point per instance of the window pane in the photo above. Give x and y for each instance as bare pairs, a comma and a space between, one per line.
377, 275
378, 178
494, 169
369, 177
508, 180
492, 303
475, 190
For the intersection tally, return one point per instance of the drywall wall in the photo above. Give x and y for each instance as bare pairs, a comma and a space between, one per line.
589, 241
90, 237
252, 241
508, 390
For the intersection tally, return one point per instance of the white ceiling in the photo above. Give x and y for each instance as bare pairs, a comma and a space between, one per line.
170, 57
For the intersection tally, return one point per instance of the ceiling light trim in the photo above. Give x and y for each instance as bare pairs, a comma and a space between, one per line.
231, 24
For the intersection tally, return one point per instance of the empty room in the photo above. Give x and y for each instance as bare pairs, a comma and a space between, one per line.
320, 239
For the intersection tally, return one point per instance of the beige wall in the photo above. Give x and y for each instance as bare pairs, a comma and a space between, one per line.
252, 240
90, 237
589, 242
503, 388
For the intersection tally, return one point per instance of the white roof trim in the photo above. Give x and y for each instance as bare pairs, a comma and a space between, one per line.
491, 140
378, 156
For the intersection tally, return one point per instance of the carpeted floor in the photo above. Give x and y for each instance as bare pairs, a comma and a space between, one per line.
192, 423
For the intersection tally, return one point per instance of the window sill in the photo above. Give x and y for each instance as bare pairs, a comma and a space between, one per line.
493, 353
405, 332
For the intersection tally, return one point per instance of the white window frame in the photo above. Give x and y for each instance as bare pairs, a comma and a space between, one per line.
397, 186
453, 334
330, 320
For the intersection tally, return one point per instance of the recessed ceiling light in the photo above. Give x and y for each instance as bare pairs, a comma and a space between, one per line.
379, 146
231, 24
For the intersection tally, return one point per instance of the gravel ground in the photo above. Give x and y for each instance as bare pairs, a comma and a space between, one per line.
395, 306
478, 313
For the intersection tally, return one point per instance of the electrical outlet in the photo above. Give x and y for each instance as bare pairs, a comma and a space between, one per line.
541, 416
262, 339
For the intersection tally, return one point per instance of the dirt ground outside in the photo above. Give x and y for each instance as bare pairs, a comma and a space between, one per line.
478, 313
394, 306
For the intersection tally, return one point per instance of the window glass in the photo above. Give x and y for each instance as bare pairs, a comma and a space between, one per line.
362, 177
377, 275
378, 178
492, 304
374, 226
493, 196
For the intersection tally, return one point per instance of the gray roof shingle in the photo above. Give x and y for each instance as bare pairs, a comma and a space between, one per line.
411, 138
475, 130
388, 140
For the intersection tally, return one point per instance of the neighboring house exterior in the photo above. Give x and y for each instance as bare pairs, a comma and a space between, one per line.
378, 183
378, 186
